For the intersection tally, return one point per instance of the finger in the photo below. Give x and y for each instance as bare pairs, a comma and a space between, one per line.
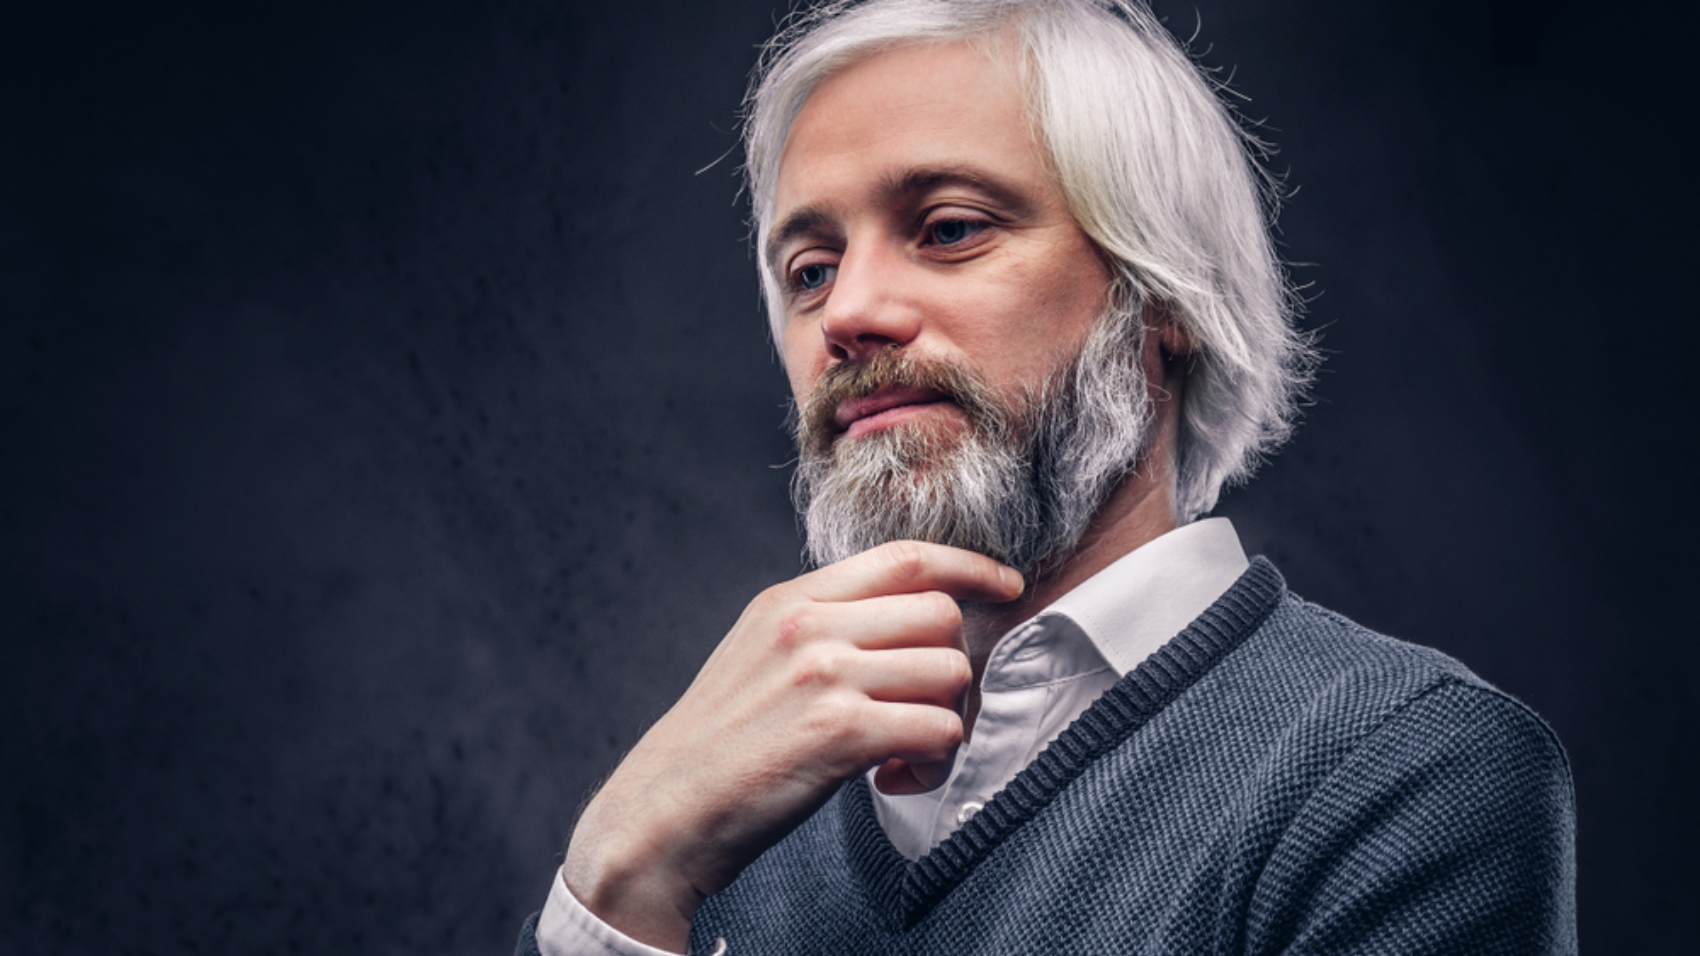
927, 619
915, 675
906, 567
899, 778
914, 733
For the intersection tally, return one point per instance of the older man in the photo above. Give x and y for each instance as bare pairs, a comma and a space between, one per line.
1016, 258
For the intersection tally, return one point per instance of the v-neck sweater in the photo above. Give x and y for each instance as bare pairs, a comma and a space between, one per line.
1273, 779
1047, 670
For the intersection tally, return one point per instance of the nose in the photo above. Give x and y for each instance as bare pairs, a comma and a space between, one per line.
869, 307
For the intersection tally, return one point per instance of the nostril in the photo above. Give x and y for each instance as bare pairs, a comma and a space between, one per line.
861, 345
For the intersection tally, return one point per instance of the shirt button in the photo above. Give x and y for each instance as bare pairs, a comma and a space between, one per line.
967, 812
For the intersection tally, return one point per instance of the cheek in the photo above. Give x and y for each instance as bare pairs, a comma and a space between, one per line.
1051, 315
805, 358
1081, 286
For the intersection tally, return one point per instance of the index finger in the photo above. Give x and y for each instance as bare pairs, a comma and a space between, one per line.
909, 567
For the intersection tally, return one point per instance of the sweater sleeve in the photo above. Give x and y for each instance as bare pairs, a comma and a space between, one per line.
1450, 829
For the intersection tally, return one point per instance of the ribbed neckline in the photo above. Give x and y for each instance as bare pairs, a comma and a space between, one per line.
906, 891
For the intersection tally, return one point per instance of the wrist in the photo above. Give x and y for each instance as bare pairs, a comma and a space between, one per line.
631, 887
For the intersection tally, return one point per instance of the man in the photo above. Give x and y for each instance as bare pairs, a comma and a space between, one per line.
1016, 259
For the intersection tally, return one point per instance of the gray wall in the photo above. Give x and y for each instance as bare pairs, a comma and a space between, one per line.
389, 431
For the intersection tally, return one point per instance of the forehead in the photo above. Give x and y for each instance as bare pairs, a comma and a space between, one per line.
884, 118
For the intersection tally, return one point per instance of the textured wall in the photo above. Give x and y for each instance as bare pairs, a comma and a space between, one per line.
389, 430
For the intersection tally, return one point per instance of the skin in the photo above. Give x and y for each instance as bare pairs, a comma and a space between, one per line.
914, 211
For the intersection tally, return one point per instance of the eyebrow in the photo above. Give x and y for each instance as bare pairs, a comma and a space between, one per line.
807, 221
817, 220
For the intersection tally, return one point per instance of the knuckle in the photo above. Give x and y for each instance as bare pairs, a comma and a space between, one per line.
798, 626
946, 731
942, 610
817, 667
834, 721
768, 601
906, 559
793, 626
957, 671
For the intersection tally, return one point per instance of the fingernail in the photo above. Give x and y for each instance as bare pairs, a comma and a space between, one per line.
1011, 578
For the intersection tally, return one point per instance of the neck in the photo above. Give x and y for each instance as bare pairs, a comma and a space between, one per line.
1140, 510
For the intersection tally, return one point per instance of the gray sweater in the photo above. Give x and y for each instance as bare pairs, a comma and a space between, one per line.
1276, 779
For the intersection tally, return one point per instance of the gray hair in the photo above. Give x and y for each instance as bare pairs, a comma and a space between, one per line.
1022, 487
1154, 168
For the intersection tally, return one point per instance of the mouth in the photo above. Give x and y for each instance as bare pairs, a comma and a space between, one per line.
884, 408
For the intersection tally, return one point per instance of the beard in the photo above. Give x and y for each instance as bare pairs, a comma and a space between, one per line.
1021, 484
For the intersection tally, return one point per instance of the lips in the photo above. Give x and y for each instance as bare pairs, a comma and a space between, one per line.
869, 412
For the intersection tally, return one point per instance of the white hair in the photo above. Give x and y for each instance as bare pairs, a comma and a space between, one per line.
1154, 168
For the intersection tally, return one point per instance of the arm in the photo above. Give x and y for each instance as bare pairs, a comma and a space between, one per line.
851, 667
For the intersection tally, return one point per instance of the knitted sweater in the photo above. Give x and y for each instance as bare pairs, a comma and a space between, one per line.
1276, 779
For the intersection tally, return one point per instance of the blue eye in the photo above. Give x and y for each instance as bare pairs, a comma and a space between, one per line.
949, 232
812, 277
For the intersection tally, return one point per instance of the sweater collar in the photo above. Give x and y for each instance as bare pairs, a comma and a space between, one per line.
906, 891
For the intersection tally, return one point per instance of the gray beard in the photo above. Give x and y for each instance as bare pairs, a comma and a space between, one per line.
1022, 486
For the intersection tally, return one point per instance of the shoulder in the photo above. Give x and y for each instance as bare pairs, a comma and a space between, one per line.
1341, 664
1316, 700
1396, 702
1300, 629
1400, 793
1264, 672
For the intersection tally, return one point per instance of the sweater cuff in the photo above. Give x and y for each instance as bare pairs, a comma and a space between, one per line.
566, 928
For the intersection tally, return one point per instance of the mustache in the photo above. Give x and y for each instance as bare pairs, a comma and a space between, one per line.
893, 368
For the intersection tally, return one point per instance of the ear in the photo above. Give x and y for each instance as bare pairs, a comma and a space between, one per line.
1172, 338
1167, 353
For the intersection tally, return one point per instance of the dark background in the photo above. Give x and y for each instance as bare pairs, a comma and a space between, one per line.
387, 429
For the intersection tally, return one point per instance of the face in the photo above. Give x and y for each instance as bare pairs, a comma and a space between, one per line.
915, 216
960, 378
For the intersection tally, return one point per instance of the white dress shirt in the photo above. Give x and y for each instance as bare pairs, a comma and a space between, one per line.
1039, 677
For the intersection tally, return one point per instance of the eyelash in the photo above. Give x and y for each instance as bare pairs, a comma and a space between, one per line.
929, 230
975, 227
795, 280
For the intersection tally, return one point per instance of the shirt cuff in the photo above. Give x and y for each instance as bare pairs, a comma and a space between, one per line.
566, 928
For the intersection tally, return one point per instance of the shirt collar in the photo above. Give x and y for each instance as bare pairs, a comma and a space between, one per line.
1124, 613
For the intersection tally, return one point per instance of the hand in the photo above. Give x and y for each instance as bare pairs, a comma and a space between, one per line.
853, 666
